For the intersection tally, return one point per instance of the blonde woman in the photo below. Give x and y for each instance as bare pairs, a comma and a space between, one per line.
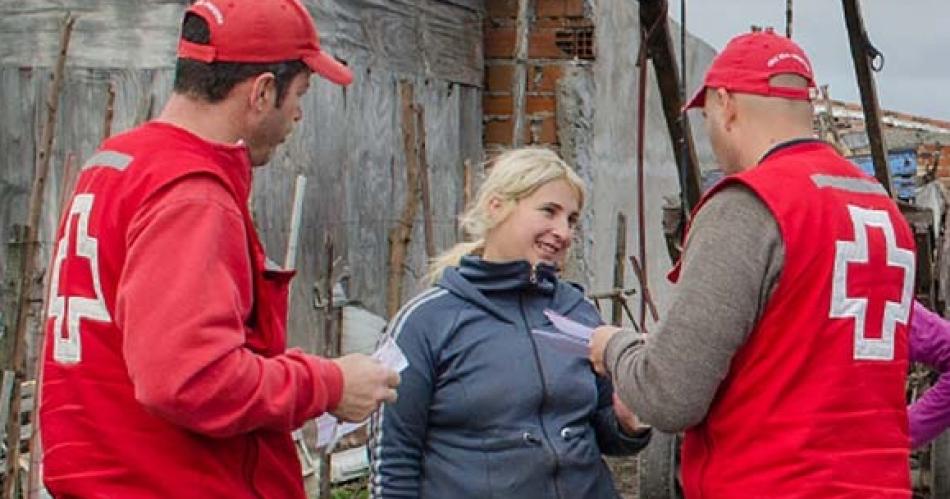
486, 408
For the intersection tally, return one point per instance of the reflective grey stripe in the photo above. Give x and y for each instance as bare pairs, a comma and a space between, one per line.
375, 443
108, 159
850, 184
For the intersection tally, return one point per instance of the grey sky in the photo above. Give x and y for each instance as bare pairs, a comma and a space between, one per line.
912, 34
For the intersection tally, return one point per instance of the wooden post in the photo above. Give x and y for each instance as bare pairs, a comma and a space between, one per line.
655, 28
644, 288
468, 175
13, 294
424, 183
641, 148
862, 55
67, 184
788, 19
401, 234
329, 352
110, 111
519, 81
467, 180
620, 256
27, 272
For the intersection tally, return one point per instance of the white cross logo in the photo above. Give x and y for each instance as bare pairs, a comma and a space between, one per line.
67, 349
879, 298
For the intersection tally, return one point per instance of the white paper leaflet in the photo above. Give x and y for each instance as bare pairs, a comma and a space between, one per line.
329, 429
570, 337
571, 328
562, 342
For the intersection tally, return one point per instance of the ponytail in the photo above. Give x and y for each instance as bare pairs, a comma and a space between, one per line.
451, 258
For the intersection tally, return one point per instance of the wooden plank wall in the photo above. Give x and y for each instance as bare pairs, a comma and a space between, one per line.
348, 144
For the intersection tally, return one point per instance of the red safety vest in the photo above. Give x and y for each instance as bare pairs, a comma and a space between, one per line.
98, 441
813, 404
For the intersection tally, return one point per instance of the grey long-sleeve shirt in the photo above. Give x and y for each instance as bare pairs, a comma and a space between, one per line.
732, 261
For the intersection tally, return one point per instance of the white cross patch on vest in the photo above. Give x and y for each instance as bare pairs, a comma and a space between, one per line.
872, 283
67, 348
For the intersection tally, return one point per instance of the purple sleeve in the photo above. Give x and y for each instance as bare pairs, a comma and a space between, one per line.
930, 344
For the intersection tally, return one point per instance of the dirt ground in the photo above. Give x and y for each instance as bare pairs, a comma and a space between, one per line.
624, 470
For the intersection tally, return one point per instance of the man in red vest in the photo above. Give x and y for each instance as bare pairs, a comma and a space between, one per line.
166, 372
784, 351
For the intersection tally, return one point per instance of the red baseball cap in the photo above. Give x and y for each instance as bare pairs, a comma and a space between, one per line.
262, 31
749, 61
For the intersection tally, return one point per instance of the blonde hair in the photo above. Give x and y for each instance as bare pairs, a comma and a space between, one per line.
513, 176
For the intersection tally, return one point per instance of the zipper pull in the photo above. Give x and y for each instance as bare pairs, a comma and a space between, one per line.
528, 438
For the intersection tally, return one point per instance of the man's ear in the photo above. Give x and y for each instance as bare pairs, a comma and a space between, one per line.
728, 110
263, 91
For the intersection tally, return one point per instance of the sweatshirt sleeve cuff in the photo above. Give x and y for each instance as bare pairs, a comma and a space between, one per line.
333, 381
619, 343
639, 438
327, 383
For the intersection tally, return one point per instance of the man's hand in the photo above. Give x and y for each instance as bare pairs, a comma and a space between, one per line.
627, 420
598, 342
366, 385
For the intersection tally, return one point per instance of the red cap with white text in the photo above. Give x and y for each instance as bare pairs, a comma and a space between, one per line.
262, 31
749, 62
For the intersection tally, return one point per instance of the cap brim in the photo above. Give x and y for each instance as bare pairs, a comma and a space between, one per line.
328, 67
697, 100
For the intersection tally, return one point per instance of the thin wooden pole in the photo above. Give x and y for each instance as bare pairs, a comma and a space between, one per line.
110, 111
329, 352
29, 265
428, 230
788, 18
14, 294
519, 81
641, 165
862, 56
401, 234
645, 288
620, 256
467, 180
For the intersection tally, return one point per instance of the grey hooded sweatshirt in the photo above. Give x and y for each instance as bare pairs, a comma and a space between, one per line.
486, 408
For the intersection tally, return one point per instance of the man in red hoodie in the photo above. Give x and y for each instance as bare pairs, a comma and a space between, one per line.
166, 372
784, 352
